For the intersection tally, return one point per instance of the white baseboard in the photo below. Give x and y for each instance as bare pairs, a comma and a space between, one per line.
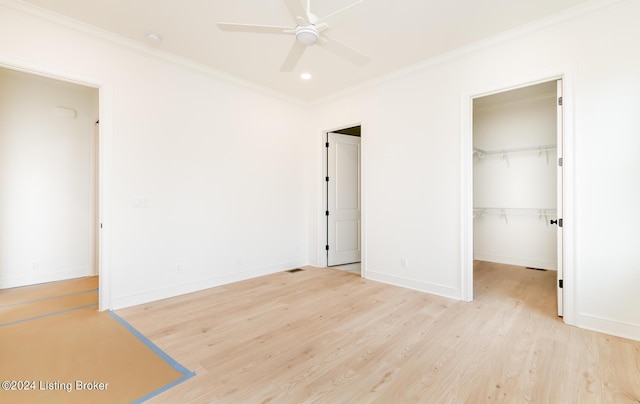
198, 285
607, 326
431, 288
522, 262
38, 277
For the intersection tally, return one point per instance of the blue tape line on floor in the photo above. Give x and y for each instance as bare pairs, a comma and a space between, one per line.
48, 298
48, 314
186, 373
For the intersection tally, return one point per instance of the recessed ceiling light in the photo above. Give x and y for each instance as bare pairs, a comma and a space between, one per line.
153, 37
305, 76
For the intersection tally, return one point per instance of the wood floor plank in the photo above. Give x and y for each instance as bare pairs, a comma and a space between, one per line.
322, 335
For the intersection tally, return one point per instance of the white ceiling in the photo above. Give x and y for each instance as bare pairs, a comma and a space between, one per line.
533, 92
393, 33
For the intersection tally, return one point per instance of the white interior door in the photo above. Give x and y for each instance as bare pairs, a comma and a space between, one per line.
343, 199
560, 143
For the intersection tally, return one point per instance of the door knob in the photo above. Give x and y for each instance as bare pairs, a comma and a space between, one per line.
554, 222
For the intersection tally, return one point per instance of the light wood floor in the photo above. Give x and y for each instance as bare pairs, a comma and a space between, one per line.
329, 336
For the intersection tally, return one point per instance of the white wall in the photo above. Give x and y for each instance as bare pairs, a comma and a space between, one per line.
233, 189
514, 193
222, 170
47, 172
411, 142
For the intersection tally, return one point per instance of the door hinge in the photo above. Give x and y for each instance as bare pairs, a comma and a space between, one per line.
326, 144
560, 101
326, 179
560, 283
559, 222
326, 247
560, 162
326, 212
101, 225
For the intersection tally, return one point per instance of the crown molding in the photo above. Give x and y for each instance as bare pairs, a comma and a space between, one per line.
35, 12
536, 26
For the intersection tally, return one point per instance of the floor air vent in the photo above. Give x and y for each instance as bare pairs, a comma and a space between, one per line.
295, 270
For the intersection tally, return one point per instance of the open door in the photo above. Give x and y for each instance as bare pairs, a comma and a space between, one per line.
558, 222
343, 199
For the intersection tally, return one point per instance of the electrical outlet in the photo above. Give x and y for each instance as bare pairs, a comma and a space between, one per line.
34, 265
404, 263
179, 267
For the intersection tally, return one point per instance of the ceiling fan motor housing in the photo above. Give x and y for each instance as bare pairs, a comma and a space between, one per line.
307, 35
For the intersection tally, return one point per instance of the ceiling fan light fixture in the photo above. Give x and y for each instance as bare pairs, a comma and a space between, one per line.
307, 36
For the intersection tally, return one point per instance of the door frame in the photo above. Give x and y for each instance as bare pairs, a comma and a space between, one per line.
322, 205
104, 156
568, 75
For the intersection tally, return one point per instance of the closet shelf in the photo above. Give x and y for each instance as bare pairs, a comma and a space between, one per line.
540, 149
543, 214
505, 152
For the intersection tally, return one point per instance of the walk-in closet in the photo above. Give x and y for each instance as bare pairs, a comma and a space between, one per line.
515, 177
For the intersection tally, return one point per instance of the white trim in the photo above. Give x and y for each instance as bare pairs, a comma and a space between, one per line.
199, 285
568, 74
517, 102
611, 327
105, 151
38, 69
322, 203
105, 192
363, 202
569, 273
466, 202
40, 13
535, 26
431, 288
550, 21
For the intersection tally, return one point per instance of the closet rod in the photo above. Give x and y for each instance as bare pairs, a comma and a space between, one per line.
520, 149
542, 213
490, 208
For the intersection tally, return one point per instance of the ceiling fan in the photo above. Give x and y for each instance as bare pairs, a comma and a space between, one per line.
308, 31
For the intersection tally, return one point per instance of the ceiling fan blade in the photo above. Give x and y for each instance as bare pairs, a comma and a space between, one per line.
298, 12
339, 11
344, 51
261, 29
293, 57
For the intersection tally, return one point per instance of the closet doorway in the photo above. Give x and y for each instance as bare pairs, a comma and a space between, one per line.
517, 180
